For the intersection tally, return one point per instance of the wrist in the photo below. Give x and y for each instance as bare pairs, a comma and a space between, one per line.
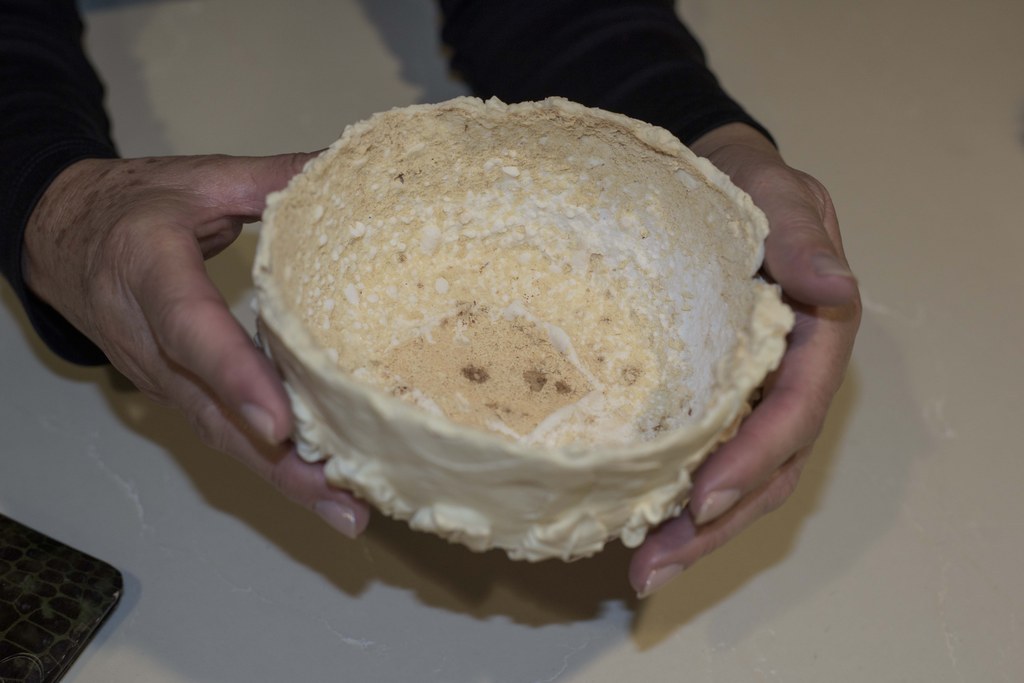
46, 231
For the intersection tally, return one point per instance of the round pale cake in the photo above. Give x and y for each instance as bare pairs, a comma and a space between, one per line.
516, 326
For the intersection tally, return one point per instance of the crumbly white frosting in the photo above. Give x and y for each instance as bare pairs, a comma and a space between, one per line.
517, 326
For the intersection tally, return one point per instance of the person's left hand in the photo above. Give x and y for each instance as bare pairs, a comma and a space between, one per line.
757, 470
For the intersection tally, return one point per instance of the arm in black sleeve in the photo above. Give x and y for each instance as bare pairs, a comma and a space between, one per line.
51, 109
633, 57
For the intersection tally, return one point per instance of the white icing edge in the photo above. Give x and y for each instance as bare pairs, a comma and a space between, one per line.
539, 503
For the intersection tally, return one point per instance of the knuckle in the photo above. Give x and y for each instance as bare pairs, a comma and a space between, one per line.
856, 309
175, 324
816, 188
130, 367
283, 479
279, 478
210, 426
784, 482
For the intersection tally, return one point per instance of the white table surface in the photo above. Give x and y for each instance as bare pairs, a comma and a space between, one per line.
898, 559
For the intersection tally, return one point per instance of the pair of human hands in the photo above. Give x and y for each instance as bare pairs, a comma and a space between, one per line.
118, 248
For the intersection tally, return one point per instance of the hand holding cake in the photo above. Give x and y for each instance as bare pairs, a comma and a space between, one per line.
758, 469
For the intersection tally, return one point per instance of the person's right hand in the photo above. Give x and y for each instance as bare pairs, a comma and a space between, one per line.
117, 247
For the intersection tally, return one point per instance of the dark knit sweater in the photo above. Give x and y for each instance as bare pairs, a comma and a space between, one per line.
630, 56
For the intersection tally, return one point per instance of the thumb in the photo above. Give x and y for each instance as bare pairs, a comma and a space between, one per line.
240, 185
804, 251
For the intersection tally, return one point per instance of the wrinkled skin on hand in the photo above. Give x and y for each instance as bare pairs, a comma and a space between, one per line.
117, 247
758, 469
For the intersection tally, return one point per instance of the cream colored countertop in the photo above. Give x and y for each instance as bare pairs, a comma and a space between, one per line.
899, 556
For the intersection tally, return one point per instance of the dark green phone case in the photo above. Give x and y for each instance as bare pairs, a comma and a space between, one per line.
52, 600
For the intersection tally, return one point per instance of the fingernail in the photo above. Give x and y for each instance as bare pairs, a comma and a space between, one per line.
829, 265
259, 420
715, 505
341, 518
659, 577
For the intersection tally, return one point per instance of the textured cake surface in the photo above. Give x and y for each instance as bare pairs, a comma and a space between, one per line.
517, 326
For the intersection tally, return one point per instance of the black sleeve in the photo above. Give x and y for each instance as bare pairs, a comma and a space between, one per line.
633, 57
630, 56
51, 109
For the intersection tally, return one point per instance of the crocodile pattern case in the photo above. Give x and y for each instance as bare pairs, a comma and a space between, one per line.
52, 599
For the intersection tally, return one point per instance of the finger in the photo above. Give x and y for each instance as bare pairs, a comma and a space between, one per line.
785, 421
788, 419
232, 191
305, 484
238, 186
196, 331
235, 189
301, 482
219, 237
679, 543
803, 252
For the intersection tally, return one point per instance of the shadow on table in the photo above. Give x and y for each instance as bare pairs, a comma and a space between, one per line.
485, 585
766, 544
